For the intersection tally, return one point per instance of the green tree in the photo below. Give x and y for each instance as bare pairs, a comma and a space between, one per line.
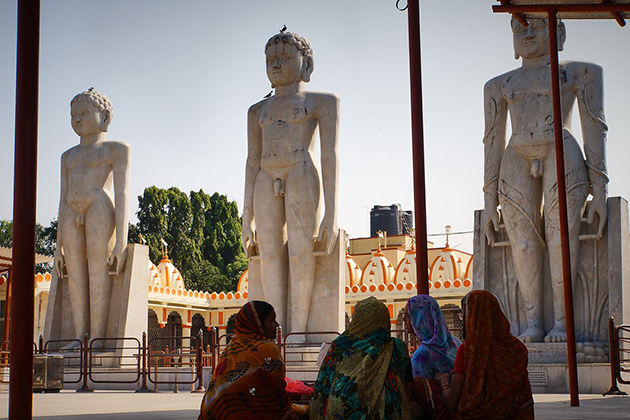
45, 240
202, 232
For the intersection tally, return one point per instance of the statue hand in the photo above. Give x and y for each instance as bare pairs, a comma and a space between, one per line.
598, 205
327, 228
117, 258
492, 224
248, 240
59, 262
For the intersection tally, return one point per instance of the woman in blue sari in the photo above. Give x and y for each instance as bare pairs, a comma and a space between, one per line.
437, 350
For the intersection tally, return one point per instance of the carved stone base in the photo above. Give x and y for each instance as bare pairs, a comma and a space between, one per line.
540, 353
554, 378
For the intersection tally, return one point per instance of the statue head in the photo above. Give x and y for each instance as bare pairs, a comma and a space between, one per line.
93, 101
292, 51
533, 40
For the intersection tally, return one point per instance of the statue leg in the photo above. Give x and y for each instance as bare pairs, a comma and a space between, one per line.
303, 216
520, 196
271, 237
577, 192
74, 251
99, 234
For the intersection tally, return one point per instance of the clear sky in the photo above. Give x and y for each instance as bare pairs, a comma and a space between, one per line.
182, 74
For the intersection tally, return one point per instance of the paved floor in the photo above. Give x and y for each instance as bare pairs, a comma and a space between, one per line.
124, 405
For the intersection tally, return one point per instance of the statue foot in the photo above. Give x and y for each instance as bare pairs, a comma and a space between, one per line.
73, 345
296, 339
556, 335
532, 335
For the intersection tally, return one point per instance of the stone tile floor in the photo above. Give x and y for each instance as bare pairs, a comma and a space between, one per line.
125, 405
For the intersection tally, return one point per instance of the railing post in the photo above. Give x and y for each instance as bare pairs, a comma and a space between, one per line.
144, 387
41, 344
279, 340
85, 352
214, 344
199, 363
613, 356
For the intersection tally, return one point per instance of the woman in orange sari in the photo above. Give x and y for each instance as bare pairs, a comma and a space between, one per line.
490, 375
248, 382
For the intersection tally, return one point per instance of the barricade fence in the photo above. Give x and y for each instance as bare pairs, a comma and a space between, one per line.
180, 360
619, 356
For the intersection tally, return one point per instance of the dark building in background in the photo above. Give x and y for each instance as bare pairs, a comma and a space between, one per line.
391, 219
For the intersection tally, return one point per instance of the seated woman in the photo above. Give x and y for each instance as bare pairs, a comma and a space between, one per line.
437, 350
490, 375
248, 382
436, 353
366, 372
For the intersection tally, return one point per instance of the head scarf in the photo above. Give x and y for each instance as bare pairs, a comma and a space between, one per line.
249, 319
363, 373
248, 381
495, 364
437, 350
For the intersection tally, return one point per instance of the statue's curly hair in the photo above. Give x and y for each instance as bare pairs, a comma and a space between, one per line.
98, 100
297, 40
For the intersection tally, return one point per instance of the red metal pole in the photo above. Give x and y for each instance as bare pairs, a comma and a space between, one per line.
143, 386
417, 136
24, 206
562, 206
7, 310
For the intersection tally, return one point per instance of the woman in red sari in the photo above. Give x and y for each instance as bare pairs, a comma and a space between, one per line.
490, 375
248, 382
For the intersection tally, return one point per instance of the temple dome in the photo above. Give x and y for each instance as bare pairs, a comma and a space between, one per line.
353, 272
378, 270
170, 277
406, 269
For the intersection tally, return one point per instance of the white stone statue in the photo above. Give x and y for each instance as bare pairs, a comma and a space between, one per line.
522, 175
282, 221
93, 214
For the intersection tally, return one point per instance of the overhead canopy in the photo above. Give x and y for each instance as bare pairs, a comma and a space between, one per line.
570, 9
6, 260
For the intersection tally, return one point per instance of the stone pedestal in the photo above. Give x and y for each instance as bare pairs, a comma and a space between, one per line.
327, 312
128, 304
601, 286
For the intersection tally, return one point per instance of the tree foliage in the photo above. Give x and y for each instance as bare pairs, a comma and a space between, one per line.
203, 234
45, 240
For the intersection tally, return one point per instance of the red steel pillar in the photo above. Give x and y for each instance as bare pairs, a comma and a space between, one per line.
417, 135
24, 205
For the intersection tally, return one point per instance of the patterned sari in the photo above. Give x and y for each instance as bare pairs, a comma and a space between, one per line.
362, 376
437, 350
495, 365
248, 382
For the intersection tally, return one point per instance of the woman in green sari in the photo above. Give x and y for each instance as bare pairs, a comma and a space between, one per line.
366, 373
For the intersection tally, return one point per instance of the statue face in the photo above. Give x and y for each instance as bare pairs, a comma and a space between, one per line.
284, 64
531, 41
86, 119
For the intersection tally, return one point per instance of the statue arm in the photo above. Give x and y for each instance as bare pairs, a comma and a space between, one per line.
590, 97
121, 156
252, 167
329, 135
495, 112
59, 259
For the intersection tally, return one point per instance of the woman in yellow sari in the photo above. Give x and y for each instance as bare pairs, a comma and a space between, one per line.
248, 382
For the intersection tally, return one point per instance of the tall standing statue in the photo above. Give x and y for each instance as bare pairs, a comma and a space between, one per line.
283, 184
522, 175
93, 214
